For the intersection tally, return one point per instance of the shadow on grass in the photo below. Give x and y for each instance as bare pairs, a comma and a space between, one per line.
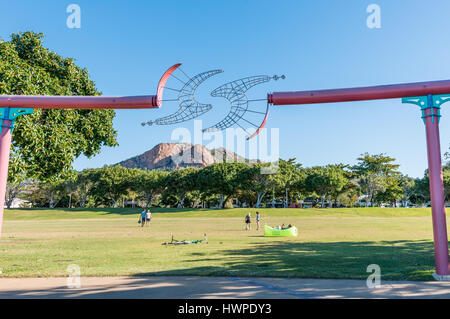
401, 260
398, 260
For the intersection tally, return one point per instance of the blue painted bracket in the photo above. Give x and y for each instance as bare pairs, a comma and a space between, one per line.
432, 102
10, 114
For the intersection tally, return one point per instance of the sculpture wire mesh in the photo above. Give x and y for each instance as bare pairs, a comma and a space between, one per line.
189, 107
234, 92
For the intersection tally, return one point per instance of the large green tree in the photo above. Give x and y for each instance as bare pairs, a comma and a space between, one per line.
180, 182
113, 183
150, 183
287, 178
224, 179
46, 143
326, 181
260, 182
378, 174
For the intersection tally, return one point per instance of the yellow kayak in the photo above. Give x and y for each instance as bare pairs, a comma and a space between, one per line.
274, 232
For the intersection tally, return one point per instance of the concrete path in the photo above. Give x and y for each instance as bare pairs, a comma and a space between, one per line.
216, 287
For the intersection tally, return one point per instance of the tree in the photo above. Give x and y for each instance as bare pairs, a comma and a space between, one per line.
408, 186
420, 192
260, 183
392, 192
16, 182
14, 190
370, 185
326, 181
378, 164
113, 183
85, 181
46, 142
376, 173
180, 182
150, 183
286, 177
224, 179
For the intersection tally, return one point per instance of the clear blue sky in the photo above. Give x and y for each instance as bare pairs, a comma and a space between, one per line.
126, 46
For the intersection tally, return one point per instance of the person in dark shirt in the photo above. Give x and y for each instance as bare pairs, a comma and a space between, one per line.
247, 221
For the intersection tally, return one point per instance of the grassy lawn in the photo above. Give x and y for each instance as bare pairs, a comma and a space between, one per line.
332, 243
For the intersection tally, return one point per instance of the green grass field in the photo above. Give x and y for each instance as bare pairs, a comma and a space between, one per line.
332, 243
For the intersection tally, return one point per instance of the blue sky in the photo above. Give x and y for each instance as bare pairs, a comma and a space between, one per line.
127, 45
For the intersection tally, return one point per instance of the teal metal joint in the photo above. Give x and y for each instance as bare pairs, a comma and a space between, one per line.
432, 102
10, 114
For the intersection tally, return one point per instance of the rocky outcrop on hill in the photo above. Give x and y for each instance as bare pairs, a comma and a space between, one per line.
179, 155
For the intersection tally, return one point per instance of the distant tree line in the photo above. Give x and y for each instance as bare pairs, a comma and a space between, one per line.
374, 180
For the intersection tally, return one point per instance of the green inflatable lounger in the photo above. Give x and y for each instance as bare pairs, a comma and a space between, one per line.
274, 232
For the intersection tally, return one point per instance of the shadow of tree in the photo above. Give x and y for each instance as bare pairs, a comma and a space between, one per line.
398, 260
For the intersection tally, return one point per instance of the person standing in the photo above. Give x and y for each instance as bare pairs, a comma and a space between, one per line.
148, 217
247, 221
258, 218
143, 217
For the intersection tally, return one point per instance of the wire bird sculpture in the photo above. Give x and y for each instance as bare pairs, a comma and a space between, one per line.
189, 107
235, 92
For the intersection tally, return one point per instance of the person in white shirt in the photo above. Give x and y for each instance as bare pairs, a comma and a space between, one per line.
148, 217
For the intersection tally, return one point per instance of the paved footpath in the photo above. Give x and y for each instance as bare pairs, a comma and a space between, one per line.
216, 287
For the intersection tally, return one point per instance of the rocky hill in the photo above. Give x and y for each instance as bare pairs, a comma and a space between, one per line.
179, 155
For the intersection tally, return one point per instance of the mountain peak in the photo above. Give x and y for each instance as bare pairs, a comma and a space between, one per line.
180, 155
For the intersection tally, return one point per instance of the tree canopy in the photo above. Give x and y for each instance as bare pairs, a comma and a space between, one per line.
46, 143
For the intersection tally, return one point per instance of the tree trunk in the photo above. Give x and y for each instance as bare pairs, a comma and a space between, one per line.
259, 198
50, 204
83, 200
196, 202
149, 197
221, 201
181, 202
286, 201
225, 201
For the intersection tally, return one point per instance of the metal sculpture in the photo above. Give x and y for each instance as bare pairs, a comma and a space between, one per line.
429, 96
234, 92
189, 108
12, 106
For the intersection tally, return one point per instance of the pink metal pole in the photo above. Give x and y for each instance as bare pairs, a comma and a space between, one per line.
90, 102
431, 119
79, 102
379, 92
436, 190
66, 102
5, 146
